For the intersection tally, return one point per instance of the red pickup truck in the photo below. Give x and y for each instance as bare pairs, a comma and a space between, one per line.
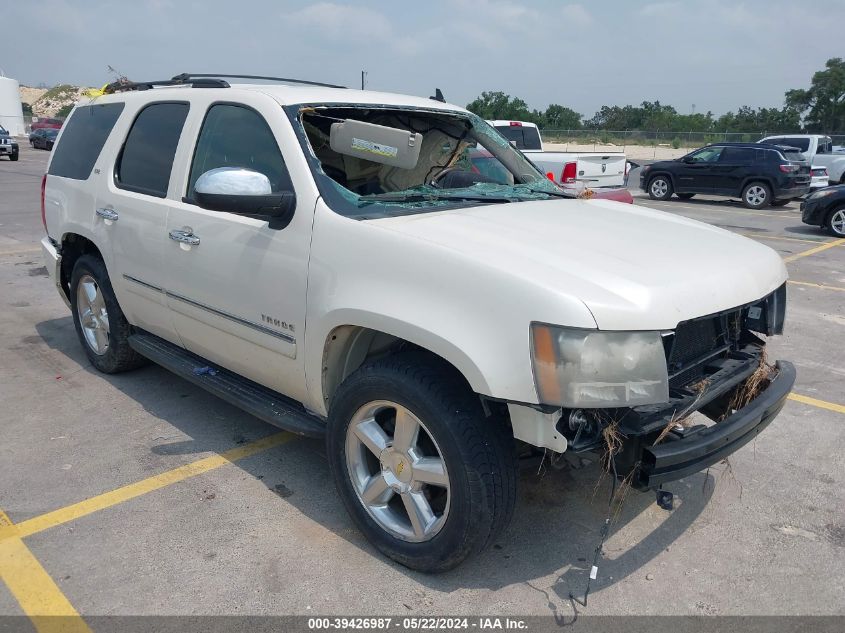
46, 123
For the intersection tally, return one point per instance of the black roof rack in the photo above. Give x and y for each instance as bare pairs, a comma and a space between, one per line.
186, 77
201, 80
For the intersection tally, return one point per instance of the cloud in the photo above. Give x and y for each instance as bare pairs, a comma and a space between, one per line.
337, 19
576, 15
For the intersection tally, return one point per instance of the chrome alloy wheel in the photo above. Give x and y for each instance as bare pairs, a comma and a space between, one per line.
837, 222
93, 316
397, 471
755, 195
659, 187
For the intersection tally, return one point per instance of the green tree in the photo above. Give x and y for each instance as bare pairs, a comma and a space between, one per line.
823, 104
558, 117
64, 110
498, 105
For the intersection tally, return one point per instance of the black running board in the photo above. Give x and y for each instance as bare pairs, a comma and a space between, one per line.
265, 404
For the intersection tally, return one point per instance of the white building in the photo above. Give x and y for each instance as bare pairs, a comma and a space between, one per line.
11, 112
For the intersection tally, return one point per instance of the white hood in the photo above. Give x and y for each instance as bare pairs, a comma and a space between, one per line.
634, 268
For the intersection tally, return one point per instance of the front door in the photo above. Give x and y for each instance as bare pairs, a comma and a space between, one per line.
237, 287
695, 173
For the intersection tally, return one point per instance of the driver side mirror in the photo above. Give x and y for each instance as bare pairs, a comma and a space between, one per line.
688, 160
245, 192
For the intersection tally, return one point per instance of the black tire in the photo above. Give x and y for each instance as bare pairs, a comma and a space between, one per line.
660, 188
780, 203
835, 222
478, 453
685, 196
13, 156
756, 195
117, 356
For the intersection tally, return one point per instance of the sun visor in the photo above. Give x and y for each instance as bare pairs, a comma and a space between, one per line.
376, 143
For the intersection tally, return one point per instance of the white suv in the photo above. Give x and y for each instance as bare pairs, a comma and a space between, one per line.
331, 261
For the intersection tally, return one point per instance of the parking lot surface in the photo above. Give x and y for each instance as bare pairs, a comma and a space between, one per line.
141, 494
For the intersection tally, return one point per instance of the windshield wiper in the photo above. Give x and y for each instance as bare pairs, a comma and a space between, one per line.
430, 197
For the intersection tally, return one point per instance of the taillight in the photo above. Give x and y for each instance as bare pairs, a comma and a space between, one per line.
43, 206
515, 124
787, 168
550, 176
568, 173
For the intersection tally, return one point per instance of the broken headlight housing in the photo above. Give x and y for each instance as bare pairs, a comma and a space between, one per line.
590, 368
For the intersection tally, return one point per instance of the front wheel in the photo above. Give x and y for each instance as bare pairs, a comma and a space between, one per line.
756, 195
836, 222
424, 475
13, 157
660, 188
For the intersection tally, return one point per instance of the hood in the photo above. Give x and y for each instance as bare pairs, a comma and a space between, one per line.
634, 268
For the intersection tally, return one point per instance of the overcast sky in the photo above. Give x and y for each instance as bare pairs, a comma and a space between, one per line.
716, 54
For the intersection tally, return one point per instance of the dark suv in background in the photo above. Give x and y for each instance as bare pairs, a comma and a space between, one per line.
759, 174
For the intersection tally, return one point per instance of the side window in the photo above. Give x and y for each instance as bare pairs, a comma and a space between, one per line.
147, 157
237, 136
707, 155
83, 139
737, 156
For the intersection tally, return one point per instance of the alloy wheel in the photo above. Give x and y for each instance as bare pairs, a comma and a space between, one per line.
755, 195
659, 187
397, 471
93, 315
837, 222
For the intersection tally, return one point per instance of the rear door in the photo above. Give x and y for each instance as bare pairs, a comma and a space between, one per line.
735, 164
132, 207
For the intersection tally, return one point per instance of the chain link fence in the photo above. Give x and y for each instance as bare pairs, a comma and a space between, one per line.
620, 139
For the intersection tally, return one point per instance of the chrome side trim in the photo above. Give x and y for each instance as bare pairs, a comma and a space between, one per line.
250, 324
142, 283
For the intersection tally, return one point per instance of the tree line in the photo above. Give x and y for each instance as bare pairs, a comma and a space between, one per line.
818, 109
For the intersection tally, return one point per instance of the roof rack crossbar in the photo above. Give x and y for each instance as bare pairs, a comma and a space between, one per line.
185, 77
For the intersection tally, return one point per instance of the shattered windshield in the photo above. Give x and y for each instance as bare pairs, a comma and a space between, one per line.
378, 161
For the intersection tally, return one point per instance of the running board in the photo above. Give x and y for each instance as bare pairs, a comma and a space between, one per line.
265, 404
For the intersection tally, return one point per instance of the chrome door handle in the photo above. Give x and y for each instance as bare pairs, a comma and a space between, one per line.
108, 214
186, 237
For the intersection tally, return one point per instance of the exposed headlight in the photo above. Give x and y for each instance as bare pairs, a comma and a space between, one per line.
821, 193
590, 368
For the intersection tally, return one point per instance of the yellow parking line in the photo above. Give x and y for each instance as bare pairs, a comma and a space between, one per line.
830, 406
812, 285
130, 491
778, 237
37, 594
813, 251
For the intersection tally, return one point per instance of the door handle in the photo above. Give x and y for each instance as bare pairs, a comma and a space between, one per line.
108, 214
185, 237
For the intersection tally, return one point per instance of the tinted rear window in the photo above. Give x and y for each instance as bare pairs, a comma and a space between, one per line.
147, 157
83, 139
524, 137
737, 155
801, 143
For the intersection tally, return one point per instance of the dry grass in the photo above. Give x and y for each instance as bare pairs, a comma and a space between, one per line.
682, 418
753, 386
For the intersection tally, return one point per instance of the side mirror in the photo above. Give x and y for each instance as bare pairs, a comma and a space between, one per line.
246, 192
688, 160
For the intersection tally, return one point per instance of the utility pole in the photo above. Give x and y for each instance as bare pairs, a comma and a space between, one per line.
363, 75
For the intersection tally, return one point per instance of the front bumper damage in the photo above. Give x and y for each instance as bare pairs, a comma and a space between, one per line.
657, 444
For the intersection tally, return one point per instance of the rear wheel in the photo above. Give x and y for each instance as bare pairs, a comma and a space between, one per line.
424, 475
756, 195
100, 324
685, 196
660, 188
836, 222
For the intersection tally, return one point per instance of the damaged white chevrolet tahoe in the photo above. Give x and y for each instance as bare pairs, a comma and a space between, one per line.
339, 264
